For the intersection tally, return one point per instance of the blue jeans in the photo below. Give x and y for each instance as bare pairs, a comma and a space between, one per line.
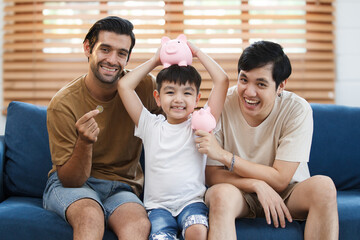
165, 226
108, 194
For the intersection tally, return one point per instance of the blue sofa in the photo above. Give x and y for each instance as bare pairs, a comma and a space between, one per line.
25, 162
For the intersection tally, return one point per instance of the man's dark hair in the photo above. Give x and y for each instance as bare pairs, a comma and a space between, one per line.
110, 24
262, 53
179, 75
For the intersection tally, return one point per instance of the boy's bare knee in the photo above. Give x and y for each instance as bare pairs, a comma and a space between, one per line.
197, 231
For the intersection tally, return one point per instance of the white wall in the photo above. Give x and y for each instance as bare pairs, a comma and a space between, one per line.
347, 85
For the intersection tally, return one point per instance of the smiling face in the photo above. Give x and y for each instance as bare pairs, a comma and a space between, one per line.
257, 93
177, 101
108, 57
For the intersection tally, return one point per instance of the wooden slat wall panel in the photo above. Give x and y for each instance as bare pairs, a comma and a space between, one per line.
43, 39
304, 28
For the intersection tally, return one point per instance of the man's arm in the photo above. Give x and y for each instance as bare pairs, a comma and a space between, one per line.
277, 176
128, 83
220, 81
75, 171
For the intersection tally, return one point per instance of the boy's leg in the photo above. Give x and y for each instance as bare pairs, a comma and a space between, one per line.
163, 225
80, 207
193, 220
226, 203
315, 200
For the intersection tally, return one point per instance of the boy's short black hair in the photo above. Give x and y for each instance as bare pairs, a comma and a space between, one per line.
179, 75
110, 24
262, 53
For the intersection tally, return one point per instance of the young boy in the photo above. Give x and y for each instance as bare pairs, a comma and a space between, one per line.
174, 169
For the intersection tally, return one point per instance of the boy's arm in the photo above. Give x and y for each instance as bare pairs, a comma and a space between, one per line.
220, 81
128, 83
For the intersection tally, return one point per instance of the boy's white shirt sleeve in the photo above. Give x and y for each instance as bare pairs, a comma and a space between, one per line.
139, 130
146, 122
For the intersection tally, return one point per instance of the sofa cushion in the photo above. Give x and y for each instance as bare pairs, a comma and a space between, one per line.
25, 218
335, 148
27, 157
349, 214
257, 228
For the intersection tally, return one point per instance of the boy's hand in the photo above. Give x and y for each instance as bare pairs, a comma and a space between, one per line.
156, 57
194, 49
87, 127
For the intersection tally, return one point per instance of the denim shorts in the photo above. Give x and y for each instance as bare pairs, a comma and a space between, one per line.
165, 226
109, 194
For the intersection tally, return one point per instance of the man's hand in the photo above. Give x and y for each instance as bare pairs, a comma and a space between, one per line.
87, 127
274, 206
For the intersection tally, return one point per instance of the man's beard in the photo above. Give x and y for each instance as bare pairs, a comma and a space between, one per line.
102, 79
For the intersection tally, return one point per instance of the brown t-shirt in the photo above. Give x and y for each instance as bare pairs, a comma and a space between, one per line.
117, 151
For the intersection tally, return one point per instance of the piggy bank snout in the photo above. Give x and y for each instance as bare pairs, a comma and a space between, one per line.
171, 48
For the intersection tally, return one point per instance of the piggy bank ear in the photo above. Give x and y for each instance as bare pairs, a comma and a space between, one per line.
182, 37
164, 40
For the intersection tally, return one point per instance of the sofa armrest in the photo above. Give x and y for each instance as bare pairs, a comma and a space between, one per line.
2, 162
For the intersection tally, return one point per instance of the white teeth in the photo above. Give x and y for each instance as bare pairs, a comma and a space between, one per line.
109, 69
251, 101
178, 107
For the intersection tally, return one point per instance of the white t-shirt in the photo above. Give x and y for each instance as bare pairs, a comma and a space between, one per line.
174, 169
286, 134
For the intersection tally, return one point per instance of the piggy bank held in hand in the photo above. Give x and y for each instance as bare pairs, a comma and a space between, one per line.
175, 51
203, 120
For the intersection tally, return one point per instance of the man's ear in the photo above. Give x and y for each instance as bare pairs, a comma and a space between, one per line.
86, 46
281, 87
156, 95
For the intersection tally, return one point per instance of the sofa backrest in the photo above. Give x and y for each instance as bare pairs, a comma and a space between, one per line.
334, 152
27, 154
335, 149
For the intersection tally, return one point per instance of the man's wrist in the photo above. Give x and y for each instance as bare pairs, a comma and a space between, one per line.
231, 168
227, 158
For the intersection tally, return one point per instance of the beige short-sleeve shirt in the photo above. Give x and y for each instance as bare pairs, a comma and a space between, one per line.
285, 134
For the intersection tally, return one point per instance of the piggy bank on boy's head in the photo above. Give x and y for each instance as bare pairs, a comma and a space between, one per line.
175, 51
203, 120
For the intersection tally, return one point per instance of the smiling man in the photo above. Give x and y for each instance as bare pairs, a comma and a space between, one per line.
257, 166
96, 176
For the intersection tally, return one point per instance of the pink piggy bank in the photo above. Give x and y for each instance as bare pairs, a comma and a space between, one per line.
203, 120
175, 51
